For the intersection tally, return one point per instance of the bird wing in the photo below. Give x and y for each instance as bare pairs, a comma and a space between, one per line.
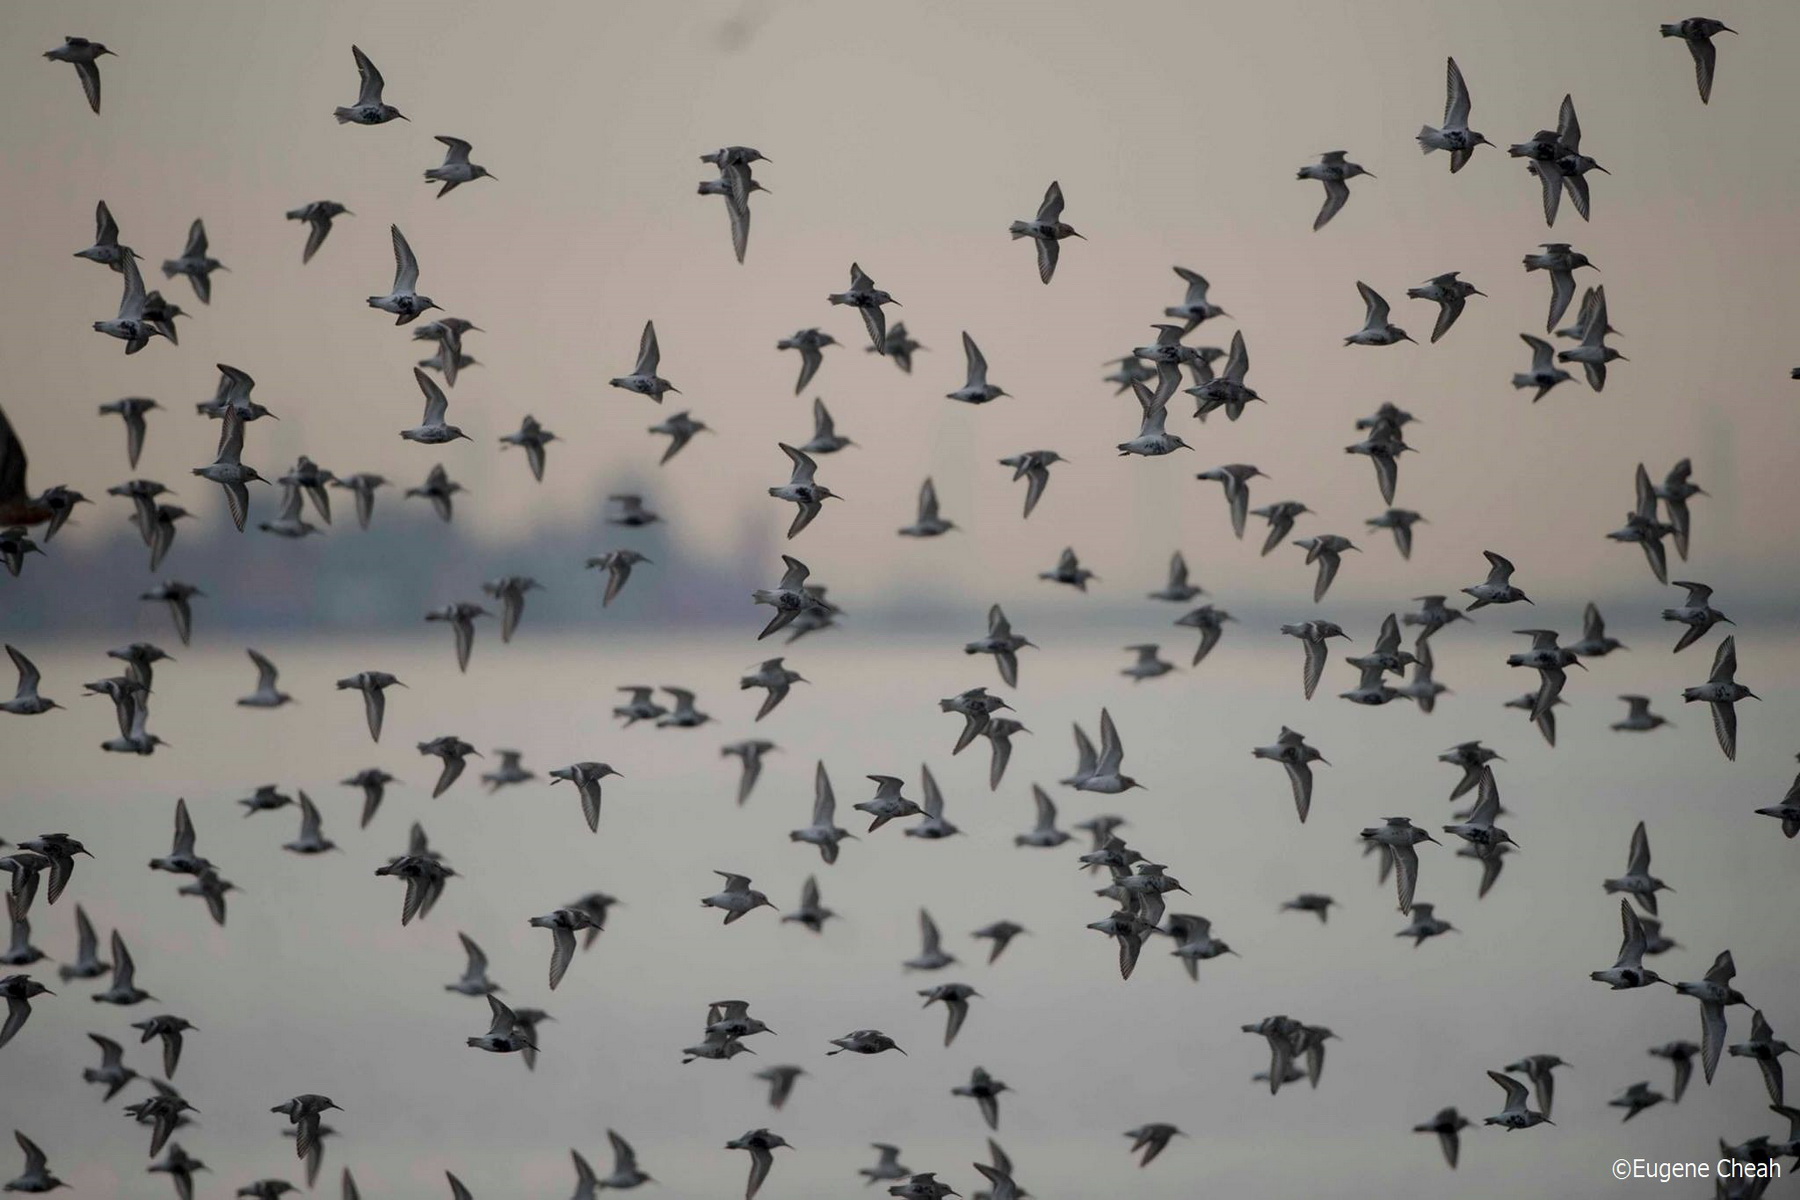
1456, 102
1301, 780
1705, 56
406, 264
372, 82
1724, 717
1516, 1095
265, 672
1377, 308
437, 404
1449, 308
977, 362
1336, 193
562, 953
1712, 1037
457, 150
824, 813
930, 940
1048, 251
12, 464
1406, 874
196, 240
1724, 668
1112, 753
131, 302
1638, 862
1315, 664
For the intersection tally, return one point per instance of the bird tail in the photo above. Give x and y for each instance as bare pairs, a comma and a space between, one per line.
1671, 30
1019, 230
344, 116
1425, 147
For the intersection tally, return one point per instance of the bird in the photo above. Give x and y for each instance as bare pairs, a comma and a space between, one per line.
1629, 970
362, 488
1377, 330
1152, 1139
1326, 549
180, 1167
1194, 308
37, 1177
454, 753
318, 215
1448, 1125
1312, 902
1003, 644
1210, 622
1333, 169
1638, 717
1069, 571
461, 619
761, 1144
1153, 438
369, 108
1544, 373
811, 344
433, 429
267, 695
474, 980
1636, 1098
1235, 478
1722, 691
898, 347
506, 1034
1697, 32
1676, 489
999, 733
1516, 1114
1593, 353
985, 1090
1399, 837
1400, 520
456, 168
85, 56
1561, 262
169, 1029
955, 999
106, 249
928, 522
750, 753
1034, 467
976, 389
1538, 1069
403, 299
1227, 390
1765, 1049
868, 300
684, 715
737, 898
932, 956
643, 379
1106, 777
1454, 135
1637, 882
229, 472
133, 325
1001, 933
1681, 1055
586, 777
510, 591
1313, 635
1047, 230
1447, 291
311, 839
865, 1042
195, 262
373, 685
1696, 612
303, 1112
800, 490
824, 831
625, 1172
781, 1083
886, 1167
933, 825
26, 702
1497, 588
563, 924
1715, 994
1292, 752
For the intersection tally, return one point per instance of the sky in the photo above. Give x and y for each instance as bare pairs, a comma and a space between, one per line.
905, 137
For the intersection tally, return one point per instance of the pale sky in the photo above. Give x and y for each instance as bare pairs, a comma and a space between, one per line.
907, 139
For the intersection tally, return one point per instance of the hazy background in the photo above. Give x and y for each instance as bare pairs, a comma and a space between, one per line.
903, 137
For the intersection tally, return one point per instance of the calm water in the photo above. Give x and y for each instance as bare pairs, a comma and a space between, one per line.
316, 987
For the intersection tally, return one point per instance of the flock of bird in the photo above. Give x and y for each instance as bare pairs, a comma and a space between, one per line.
1138, 888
